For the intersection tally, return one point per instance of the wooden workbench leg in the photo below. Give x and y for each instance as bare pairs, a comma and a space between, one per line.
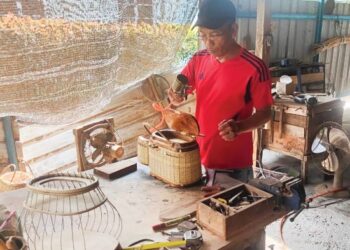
260, 241
257, 149
304, 170
255, 241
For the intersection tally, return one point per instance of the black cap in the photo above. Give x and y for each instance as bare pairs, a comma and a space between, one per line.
215, 13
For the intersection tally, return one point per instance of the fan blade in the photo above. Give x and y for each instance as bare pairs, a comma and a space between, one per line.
95, 154
339, 139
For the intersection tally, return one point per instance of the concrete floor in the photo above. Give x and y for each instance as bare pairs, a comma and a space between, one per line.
324, 228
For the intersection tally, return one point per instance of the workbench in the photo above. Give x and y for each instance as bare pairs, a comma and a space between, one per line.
294, 126
141, 199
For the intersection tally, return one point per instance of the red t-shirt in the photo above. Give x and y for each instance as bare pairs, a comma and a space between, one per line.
227, 90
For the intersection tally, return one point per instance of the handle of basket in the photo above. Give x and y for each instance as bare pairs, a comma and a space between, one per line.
11, 167
27, 165
147, 126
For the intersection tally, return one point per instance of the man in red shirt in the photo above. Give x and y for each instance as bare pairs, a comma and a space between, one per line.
233, 91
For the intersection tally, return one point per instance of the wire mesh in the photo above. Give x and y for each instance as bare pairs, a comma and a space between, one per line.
69, 211
63, 60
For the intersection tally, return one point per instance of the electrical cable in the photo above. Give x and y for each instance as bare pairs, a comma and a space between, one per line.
306, 206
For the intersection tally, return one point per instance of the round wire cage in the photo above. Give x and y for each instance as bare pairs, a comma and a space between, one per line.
69, 211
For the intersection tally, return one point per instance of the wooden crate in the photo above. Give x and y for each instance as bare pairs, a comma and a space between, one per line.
237, 222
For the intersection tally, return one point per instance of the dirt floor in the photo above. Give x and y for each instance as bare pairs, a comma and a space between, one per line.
326, 227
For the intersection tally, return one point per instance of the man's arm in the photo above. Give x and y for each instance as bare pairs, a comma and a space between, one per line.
230, 129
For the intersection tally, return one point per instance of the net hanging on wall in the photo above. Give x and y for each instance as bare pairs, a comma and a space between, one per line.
61, 61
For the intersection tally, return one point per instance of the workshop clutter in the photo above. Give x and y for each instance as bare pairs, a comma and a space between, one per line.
234, 210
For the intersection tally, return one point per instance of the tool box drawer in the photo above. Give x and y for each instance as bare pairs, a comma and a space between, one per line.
231, 212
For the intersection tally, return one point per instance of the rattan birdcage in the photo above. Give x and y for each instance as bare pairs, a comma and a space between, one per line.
69, 211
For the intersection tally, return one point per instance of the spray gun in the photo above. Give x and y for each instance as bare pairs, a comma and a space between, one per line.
180, 85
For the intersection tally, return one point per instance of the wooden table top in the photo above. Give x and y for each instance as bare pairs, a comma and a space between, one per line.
140, 199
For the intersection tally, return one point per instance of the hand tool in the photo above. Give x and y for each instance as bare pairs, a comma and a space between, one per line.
174, 222
157, 245
192, 240
186, 226
230, 201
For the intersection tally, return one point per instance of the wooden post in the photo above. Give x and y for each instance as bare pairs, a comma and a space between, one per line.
262, 50
263, 30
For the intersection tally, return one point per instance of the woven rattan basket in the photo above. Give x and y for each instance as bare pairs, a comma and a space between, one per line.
174, 158
11, 180
142, 149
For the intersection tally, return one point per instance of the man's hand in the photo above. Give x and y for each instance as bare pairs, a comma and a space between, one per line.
175, 99
228, 129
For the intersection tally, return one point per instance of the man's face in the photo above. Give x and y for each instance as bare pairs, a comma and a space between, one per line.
218, 41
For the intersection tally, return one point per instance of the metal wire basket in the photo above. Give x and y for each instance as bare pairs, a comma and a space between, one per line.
69, 211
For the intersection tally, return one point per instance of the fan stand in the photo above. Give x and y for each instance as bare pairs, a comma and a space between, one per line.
333, 190
338, 159
340, 190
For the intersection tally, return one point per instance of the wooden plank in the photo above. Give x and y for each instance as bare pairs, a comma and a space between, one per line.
57, 150
116, 170
326, 106
2, 132
43, 148
305, 78
263, 30
290, 130
290, 145
290, 108
262, 49
3, 152
278, 148
15, 130
33, 133
57, 161
292, 119
311, 78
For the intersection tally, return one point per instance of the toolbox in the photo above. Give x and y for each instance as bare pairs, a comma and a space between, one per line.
231, 212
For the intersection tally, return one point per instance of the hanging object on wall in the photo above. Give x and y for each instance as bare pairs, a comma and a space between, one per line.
69, 211
329, 44
61, 61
